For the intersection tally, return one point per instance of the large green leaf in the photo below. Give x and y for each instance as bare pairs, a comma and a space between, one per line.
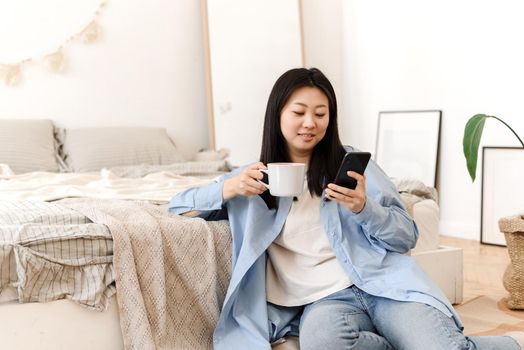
471, 141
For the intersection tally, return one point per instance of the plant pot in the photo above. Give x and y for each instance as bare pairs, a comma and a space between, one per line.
513, 280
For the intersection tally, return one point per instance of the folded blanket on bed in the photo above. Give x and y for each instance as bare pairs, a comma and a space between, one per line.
416, 188
172, 272
49, 252
413, 191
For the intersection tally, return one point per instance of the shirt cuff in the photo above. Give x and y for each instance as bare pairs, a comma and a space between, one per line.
372, 211
209, 197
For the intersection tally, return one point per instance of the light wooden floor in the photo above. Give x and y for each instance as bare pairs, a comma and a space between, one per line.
484, 266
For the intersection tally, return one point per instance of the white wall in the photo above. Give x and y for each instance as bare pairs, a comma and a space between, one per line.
463, 57
146, 70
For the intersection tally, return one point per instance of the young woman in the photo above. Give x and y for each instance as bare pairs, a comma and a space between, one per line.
332, 272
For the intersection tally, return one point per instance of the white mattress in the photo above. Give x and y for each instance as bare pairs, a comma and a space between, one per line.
57, 325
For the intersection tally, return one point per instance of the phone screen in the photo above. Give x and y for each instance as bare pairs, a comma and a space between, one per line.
353, 161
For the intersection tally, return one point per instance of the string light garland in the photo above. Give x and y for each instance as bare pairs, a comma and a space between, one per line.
11, 73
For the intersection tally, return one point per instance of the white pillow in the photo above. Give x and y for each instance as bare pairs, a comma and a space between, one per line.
28, 145
91, 149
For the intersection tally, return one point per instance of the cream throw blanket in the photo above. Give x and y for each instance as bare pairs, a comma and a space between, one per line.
43, 186
413, 191
172, 272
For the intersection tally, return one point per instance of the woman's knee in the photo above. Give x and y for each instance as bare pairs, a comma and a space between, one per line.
329, 326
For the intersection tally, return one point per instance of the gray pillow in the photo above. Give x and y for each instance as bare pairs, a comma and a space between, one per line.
28, 145
91, 149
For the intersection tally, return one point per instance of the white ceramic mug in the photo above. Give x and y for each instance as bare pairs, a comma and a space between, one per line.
285, 179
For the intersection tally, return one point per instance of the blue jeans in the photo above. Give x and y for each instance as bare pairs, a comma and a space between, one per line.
353, 319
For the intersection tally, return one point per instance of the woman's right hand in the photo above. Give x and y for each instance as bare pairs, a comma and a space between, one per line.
246, 183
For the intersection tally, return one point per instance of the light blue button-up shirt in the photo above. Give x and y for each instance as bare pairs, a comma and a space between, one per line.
369, 245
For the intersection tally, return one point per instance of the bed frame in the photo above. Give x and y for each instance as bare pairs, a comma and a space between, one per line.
60, 324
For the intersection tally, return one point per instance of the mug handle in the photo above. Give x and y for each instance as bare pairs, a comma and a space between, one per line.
262, 182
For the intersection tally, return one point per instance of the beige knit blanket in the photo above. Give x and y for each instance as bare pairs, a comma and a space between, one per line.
171, 272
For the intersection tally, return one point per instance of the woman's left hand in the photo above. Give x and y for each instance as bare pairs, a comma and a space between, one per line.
354, 200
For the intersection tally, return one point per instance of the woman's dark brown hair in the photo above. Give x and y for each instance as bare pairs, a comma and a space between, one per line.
327, 154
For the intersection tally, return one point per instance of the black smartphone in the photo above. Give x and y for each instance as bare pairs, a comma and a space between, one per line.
353, 161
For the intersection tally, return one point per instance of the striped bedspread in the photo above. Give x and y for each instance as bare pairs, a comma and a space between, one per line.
50, 252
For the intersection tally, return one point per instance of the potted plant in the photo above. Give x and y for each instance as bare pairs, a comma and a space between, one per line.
513, 227
471, 140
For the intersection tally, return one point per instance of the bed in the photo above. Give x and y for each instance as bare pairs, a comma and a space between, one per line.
90, 258
168, 272
71, 201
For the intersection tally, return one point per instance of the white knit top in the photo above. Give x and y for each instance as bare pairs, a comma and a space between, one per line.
302, 267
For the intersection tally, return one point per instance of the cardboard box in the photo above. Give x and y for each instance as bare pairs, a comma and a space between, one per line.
444, 266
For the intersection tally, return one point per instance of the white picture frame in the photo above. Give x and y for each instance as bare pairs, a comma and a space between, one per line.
408, 144
502, 190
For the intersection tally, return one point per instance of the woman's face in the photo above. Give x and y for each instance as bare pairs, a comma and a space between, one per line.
303, 121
